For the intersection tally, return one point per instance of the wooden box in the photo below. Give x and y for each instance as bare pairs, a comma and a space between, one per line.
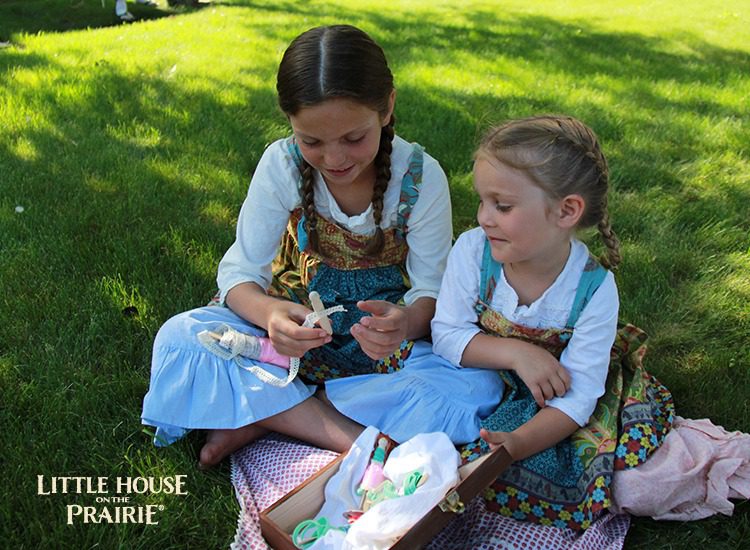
279, 520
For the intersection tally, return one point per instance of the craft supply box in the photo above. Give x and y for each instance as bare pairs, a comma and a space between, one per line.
279, 520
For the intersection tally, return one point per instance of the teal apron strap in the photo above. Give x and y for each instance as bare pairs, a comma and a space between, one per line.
592, 277
489, 276
411, 184
293, 148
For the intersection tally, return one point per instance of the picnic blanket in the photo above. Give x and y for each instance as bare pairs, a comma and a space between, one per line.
267, 469
698, 469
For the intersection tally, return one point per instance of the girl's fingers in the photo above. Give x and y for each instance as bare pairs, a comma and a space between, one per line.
548, 391
559, 386
374, 337
304, 333
298, 349
538, 395
375, 307
382, 324
299, 340
493, 439
385, 316
376, 345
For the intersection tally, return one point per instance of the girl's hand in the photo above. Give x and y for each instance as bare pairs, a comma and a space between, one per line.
501, 439
286, 332
380, 334
540, 371
544, 430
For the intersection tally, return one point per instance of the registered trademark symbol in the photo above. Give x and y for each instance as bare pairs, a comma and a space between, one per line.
161, 507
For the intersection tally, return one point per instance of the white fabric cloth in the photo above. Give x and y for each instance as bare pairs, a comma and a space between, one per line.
384, 523
274, 194
587, 355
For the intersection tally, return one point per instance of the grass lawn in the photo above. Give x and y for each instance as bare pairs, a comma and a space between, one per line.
129, 149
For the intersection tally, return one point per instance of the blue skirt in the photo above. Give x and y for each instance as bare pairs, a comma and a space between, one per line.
192, 388
428, 395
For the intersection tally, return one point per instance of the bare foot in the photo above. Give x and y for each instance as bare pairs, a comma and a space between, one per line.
221, 443
316, 423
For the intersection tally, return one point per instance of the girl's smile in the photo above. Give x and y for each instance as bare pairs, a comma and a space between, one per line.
338, 173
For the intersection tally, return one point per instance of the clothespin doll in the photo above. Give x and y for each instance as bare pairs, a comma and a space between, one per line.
229, 343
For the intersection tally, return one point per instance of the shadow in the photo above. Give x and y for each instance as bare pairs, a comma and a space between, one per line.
43, 16
141, 172
150, 136
15, 58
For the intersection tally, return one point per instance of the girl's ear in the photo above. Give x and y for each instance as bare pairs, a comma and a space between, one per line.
391, 105
570, 211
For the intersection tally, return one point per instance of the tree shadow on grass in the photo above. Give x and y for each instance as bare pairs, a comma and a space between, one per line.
35, 16
447, 120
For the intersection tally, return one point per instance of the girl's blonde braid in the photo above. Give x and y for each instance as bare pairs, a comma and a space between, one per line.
582, 137
610, 240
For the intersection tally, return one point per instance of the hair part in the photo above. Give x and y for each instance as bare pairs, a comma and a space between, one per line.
330, 62
563, 157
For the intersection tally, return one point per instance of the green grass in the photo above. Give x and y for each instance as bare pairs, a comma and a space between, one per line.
130, 149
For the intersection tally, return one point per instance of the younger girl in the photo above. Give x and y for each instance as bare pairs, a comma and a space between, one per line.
522, 296
344, 208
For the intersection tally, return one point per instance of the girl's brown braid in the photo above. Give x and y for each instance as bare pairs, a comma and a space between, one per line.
382, 177
308, 205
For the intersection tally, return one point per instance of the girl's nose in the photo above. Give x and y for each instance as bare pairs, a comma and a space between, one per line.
334, 157
483, 217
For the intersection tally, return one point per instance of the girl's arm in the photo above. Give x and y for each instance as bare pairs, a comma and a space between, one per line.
430, 235
455, 320
547, 428
245, 270
272, 195
536, 367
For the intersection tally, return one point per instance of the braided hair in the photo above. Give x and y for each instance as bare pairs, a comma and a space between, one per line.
338, 61
562, 155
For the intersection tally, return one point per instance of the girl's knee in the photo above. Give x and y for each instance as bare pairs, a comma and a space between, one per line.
176, 329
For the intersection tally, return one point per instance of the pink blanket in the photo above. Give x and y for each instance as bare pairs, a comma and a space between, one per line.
271, 467
697, 470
